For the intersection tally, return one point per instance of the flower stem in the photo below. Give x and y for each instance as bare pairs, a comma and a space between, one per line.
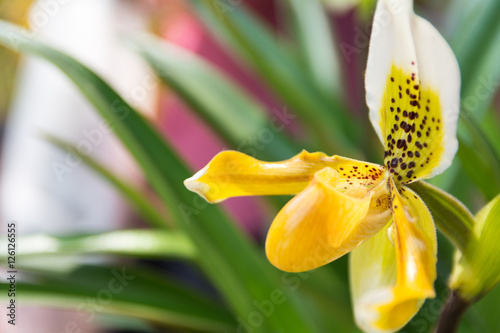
452, 313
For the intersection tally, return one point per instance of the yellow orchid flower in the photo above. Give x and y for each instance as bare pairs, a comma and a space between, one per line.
477, 270
343, 205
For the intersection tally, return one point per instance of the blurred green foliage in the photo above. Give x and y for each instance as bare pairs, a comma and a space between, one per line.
303, 69
12, 11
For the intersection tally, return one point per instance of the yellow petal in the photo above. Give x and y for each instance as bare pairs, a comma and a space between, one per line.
413, 90
393, 272
325, 222
232, 173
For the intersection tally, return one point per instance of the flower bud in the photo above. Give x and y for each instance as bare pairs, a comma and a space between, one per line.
477, 271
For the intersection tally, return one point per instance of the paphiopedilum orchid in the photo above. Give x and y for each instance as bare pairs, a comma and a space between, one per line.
343, 205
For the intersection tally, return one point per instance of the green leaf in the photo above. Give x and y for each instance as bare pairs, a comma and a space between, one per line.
475, 31
312, 31
451, 217
476, 41
128, 292
328, 293
481, 164
233, 114
229, 259
134, 196
325, 115
109, 322
478, 158
136, 243
490, 125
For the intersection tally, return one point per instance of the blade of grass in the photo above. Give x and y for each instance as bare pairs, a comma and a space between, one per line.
136, 243
134, 196
230, 260
325, 115
490, 125
311, 28
480, 162
478, 157
119, 323
328, 294
476, 40
234, 115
